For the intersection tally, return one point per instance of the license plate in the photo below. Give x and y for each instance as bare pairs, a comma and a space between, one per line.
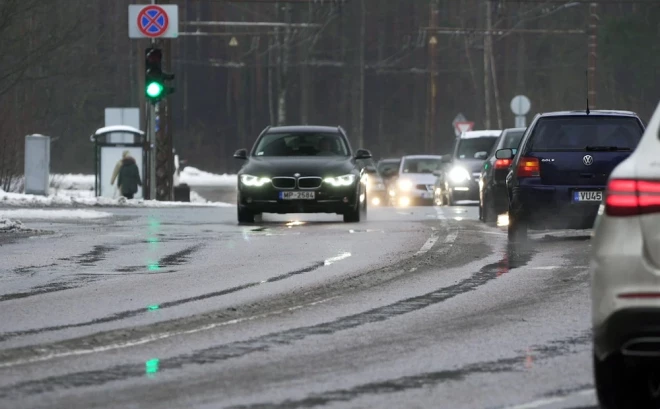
297, 195
587, 196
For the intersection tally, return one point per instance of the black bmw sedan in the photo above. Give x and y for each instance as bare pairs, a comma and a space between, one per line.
302, 169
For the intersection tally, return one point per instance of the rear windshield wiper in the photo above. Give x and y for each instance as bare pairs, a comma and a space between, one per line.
606, 148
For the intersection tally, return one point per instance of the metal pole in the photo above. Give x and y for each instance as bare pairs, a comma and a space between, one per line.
433, 43
488, 38
593, 55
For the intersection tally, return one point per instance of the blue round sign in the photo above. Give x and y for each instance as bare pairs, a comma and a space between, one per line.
153, 21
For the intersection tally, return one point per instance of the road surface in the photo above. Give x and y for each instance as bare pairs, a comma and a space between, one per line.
415, 308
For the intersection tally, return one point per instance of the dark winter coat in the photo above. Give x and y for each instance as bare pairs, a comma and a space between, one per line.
129, 176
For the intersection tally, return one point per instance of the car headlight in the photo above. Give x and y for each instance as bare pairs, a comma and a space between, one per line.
404, 185
337, 181
458, 175
249, 180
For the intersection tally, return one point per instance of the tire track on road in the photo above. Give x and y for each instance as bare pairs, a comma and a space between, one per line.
266, 342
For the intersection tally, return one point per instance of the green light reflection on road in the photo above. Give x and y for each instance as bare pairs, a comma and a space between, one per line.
153, 307
151, 367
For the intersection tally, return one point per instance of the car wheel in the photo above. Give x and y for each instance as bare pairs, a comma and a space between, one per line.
449, 201
363, 208
244, 215
438, 198
517, 230
619, 387
488, 212
353, 215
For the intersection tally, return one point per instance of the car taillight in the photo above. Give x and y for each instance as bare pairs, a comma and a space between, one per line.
628, 197
529, 167
502, 163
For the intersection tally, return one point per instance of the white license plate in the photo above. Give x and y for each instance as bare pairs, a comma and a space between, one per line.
587, 196
297, 195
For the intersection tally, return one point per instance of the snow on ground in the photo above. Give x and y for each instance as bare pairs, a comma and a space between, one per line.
72, 182
76, 198
195, 177
10, 226
41, 214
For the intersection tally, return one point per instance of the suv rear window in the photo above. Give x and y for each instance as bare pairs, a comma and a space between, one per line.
579, 132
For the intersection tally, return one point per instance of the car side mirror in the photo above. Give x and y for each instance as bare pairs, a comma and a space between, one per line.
504, 154
241, 154
362, 154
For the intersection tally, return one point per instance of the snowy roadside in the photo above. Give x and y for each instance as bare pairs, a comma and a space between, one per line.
76, 198
189, 175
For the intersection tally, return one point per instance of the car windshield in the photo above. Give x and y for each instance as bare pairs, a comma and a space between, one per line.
301, 144
511, 140
475, 148
585, 132
421, 165
389, 168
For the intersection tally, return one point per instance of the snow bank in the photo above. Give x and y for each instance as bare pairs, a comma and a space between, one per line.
72, 182
40, 214
74, 198
195, 177
10, 226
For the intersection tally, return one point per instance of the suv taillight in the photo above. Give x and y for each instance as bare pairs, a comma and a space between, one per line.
628, 197
529, 167
502, 163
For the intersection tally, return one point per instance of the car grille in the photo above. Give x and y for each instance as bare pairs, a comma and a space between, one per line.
428, 188
284, 182
311, 182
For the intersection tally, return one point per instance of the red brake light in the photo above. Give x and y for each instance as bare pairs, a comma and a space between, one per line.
502, 163
529, 167
627, 197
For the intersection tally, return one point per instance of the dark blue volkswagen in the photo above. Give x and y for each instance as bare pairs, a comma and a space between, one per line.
560, 171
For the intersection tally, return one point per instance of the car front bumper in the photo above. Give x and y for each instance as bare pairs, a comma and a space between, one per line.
412, 197
328, 199
468, 190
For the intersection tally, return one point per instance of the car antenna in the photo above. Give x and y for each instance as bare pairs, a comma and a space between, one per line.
586, 74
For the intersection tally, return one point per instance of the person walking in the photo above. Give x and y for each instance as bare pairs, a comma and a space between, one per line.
115, 172
128, 177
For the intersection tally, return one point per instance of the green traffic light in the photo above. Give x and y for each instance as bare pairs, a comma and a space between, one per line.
154, 89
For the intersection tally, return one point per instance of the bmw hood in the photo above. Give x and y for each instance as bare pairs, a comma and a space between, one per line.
305, 166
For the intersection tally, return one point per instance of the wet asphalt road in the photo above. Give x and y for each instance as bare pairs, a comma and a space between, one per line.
182, 308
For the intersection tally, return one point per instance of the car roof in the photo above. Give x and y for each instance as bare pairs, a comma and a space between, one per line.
591, 112
422, 157
303, 128
514, 130
390, 160
492, 133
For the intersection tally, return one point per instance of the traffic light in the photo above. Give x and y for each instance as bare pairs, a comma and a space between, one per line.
155, 79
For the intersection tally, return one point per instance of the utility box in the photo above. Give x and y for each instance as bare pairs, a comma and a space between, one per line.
37, 164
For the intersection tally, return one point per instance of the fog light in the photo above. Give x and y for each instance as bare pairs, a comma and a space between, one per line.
404, 201
375, 201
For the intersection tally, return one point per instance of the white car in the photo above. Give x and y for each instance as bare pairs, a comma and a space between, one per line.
416, 180
625, 280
